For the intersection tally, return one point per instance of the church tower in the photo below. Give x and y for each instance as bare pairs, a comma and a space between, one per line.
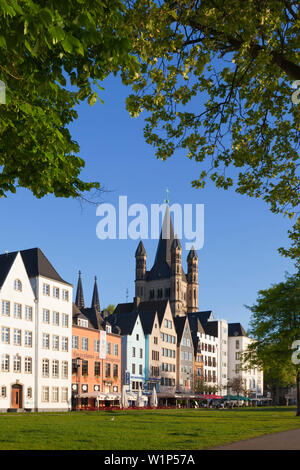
192, 279
177, 295
140, 271
79, 301
95, 299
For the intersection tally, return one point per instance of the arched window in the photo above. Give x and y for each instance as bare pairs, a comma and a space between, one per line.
18, 285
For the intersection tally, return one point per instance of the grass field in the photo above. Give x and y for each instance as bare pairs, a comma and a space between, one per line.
141, 429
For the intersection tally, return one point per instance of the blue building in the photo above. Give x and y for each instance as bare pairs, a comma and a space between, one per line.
133, 347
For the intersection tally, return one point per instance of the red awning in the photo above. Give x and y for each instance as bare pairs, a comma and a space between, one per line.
208, 397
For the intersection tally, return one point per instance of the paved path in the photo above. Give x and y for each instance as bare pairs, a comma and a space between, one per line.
287, 440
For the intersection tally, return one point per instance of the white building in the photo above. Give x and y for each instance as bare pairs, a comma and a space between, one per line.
238, 342
36, 332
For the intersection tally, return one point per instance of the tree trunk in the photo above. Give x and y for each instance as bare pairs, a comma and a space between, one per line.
298, 392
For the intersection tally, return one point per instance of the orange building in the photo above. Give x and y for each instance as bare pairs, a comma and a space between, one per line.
96, 357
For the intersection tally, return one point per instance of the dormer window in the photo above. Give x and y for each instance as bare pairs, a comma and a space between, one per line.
82, 322
18, 285
108, 329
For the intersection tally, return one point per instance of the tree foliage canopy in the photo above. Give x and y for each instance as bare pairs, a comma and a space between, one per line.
51, 55
275, 325
215, 80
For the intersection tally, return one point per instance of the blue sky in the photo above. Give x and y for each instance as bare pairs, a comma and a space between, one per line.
239, 256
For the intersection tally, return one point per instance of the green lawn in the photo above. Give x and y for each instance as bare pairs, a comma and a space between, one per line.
141, 429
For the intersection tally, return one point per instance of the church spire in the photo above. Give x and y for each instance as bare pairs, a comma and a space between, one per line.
95, 299
79, 301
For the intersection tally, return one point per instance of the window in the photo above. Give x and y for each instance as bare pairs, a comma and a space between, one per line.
75, 341
115, 370
45, 367
133, 352
140, 369
108, 328
28, 339
5, 363
97, 345
29, 393
18, 285
107, 369
17, 363
141, 353
108, 348
5, 335
17, 337
45, 394
64, 370
97, 368
237, 356
28, 365
56, 292
84, 343
64, 394
28, 313
55, 318
64, 344
55, 342
237, 344
133, 368
5, 308
85, 367
166, 323
170, 324
3, 391
65, 320
137, 337
17, 311
45, 341
65, 295
55, 368
46, 315
82, 322
46, 289
116, 350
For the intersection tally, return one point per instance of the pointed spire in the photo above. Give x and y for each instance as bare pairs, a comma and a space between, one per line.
163, 252
79, 301
95, 299
192, 254
140, 251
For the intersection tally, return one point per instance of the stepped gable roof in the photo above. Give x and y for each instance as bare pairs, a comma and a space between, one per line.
236, 329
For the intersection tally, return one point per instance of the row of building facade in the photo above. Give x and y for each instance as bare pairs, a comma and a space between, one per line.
57, 354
